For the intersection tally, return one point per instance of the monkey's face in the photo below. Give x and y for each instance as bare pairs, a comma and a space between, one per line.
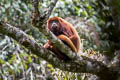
55, 27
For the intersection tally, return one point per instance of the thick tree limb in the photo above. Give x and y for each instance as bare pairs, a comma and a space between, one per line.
31, 44
86, 65
115, 63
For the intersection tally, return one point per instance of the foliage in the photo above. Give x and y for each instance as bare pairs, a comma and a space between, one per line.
16, 12
91, 18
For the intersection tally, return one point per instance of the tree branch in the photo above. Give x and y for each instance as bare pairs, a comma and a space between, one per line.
85, 65
115, 63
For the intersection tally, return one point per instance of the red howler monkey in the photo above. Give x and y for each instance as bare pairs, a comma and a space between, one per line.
65, 32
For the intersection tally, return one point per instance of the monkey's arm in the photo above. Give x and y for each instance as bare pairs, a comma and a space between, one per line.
76, 41
68, 41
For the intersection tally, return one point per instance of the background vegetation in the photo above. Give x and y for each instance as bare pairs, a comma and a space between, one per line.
92, 19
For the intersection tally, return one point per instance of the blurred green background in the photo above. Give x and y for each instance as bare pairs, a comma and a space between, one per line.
92, 19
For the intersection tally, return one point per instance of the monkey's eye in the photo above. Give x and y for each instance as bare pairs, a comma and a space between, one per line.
54, 21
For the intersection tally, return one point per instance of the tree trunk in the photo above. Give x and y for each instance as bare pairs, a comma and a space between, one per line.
115, 10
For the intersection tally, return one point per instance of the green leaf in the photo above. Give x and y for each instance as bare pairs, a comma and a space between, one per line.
2, 61
89, 7
29, 59
25, 66
12, 59
30, 6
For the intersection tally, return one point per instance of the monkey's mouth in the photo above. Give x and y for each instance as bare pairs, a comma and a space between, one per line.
54, 27
55, 31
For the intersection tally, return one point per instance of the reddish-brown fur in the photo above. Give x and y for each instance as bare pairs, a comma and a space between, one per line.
67, 33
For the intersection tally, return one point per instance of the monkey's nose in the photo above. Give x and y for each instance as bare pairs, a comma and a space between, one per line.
54, 26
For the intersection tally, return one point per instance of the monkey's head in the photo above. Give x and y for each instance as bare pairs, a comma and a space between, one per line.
54, 26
